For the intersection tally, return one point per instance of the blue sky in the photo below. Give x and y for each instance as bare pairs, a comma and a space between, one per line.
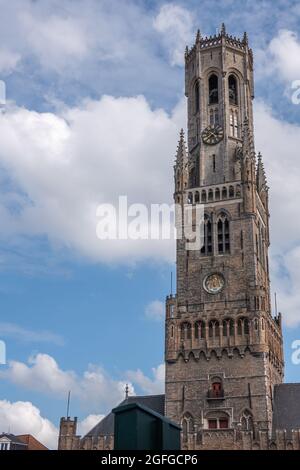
94, 106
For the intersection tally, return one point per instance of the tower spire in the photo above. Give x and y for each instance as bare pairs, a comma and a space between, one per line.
261, 180
181, 154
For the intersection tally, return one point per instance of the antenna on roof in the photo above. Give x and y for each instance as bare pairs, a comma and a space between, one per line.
68, 403
126, 391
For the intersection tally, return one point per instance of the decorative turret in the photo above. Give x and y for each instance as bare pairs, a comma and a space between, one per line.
181, 168
261, 181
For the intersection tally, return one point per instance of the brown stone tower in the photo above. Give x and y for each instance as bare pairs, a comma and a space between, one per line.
223, 347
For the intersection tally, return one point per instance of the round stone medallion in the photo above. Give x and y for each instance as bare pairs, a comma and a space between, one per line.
214, 283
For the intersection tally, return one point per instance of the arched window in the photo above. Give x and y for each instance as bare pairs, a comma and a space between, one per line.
238, 190
187, 424
199, 330
203, 196
240, 327
223, 234
210, 195
232, 90
190, 198
246, 326
185, 331
213, 89
207, 242
224, 193
197, 196
228, 327
231, 191
234, 123
217, 194
247, 421
197, 96
213, 329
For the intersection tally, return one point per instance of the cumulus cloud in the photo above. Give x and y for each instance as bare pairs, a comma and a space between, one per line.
20, 333
22, 417
284, 50
176, 25
155, 310
154, 385
61, 167
95, 389
88, 423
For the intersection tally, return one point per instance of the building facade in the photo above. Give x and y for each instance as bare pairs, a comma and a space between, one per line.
223, 347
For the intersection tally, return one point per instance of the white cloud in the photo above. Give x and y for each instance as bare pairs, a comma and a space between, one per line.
153, 386
176, 25
285, 55
88, 423
62, 166
155, 310
24, 334
24, 418
95, 389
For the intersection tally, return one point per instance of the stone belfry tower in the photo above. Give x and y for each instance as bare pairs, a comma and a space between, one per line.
223, 348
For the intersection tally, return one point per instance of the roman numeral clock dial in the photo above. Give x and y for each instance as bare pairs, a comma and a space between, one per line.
212, 135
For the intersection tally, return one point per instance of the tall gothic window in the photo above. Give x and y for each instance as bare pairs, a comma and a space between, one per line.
247, 421
213, 96
234, 123
185, 330
199, 330
207, 238
232, 89
223, 234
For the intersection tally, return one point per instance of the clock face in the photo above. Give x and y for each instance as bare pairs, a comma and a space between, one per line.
214, 283
212, 135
